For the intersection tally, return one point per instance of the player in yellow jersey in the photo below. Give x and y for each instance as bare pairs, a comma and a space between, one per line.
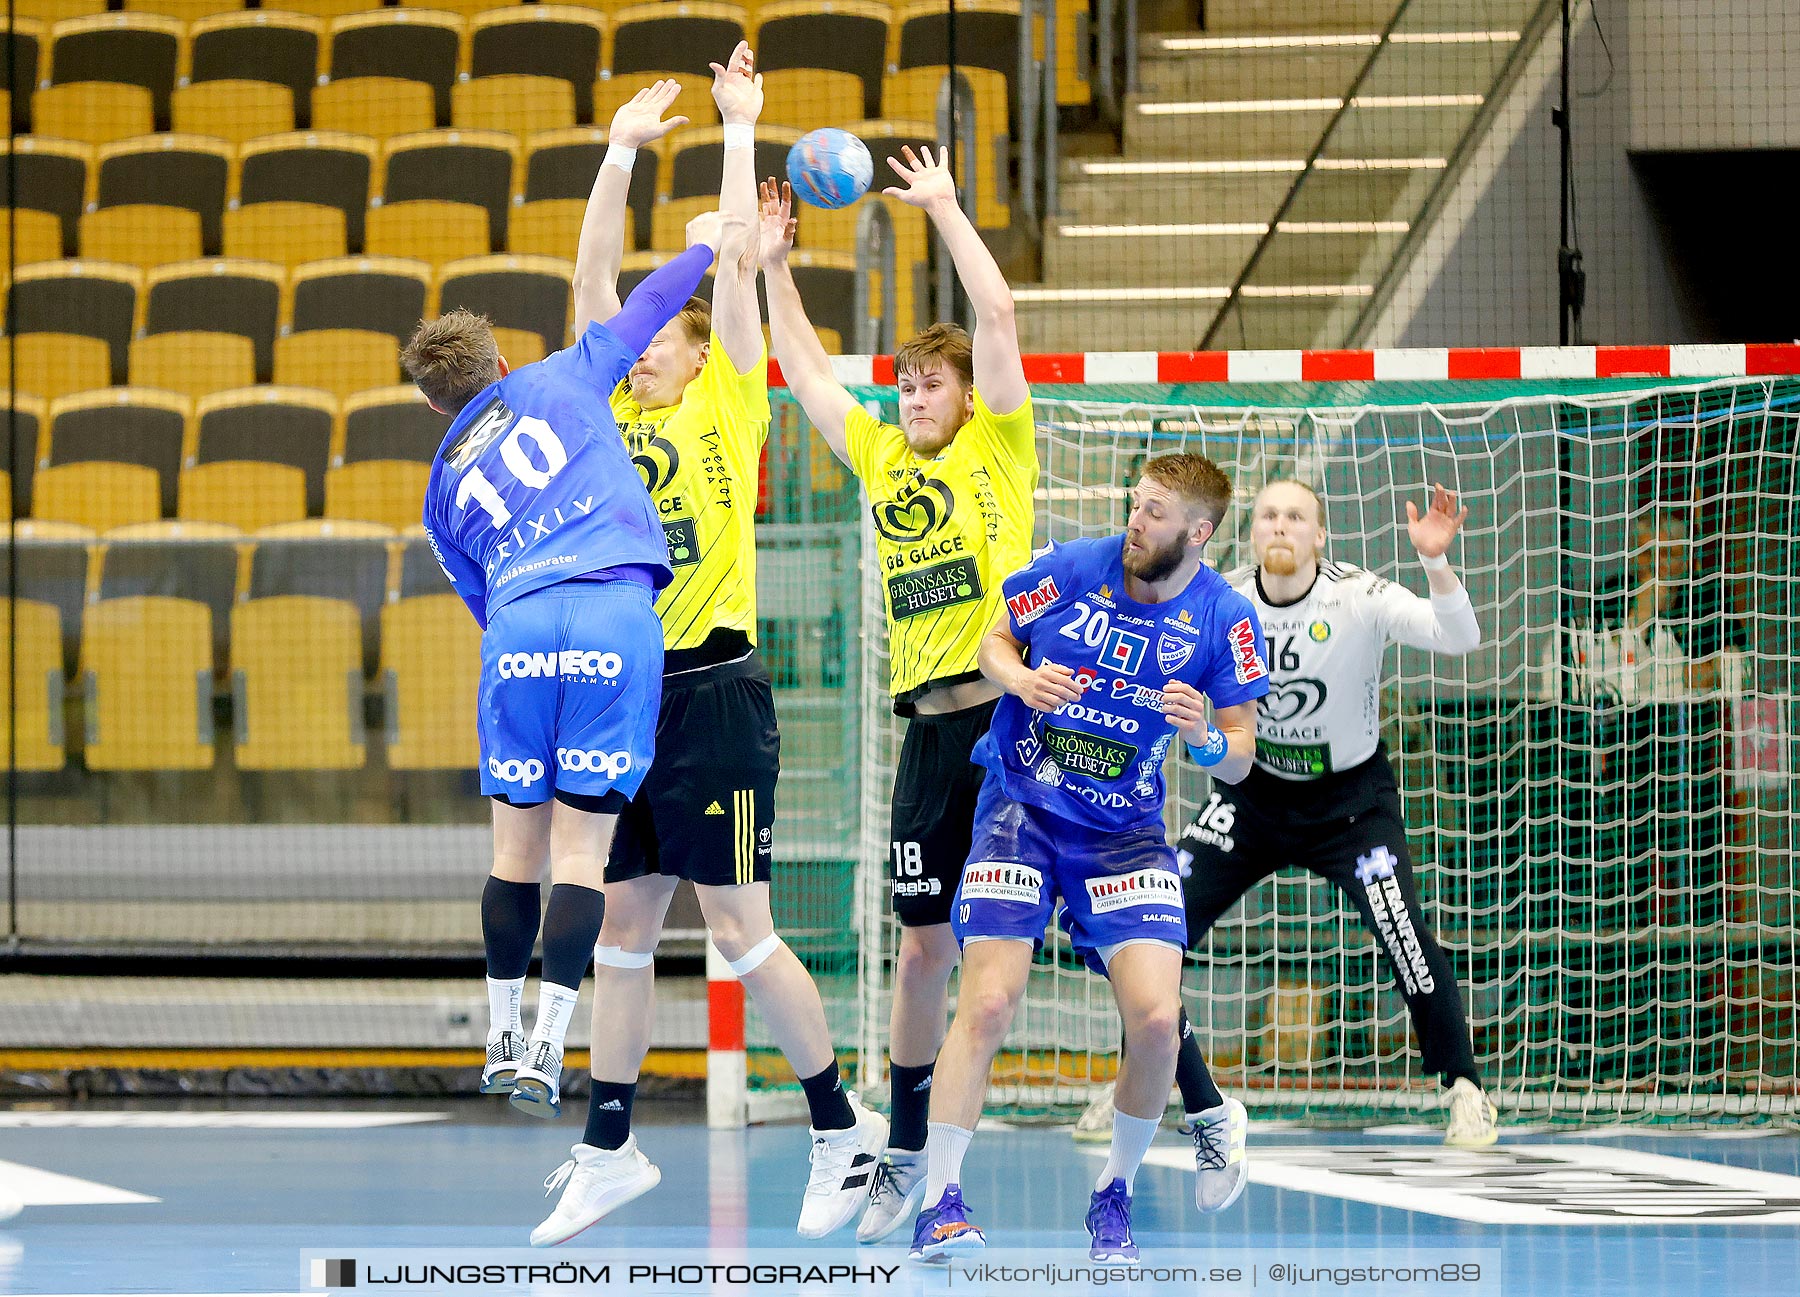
951, 494
694, 412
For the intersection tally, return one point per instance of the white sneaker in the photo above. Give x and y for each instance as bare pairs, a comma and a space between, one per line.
1473, 1121
537, 1085
1095, 1124
895, 1198
843, 1172
597, 1181
505, 1049
1221, 1169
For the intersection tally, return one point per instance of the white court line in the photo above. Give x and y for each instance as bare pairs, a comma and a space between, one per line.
212, 1120
38, 1188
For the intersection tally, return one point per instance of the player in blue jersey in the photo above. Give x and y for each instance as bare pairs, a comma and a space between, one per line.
1109, 650
545, 529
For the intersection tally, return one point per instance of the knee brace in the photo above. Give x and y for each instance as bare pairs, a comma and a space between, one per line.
754, 958
619, 957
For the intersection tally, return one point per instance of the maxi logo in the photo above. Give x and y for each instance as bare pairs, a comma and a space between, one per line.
1244, 654
515, 772
1027, 606
1086, 754
1124, 651
570, 664
579, 760
931, 588
1140, 887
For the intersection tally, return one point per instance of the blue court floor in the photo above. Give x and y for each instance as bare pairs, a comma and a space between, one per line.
149, 1198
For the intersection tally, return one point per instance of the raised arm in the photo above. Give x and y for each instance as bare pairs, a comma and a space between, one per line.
798, 351
999, 372
1446, 623
738, 92
602, 244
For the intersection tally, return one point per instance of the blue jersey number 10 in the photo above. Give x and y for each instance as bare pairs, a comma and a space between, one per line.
476, 486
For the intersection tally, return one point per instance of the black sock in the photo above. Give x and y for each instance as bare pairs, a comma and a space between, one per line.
571, 927
609, 1113
826, 1098
509, 926
1198, 1093
909, 1089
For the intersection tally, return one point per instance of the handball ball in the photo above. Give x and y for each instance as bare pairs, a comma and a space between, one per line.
829, 167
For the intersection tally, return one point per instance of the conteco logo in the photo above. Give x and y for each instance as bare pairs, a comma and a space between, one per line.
570, 664
600, 763
515, 772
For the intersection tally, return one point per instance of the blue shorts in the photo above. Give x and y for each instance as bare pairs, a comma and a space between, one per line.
1115, 886
571, 679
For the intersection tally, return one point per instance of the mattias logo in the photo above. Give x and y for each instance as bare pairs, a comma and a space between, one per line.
917, 509
1032, 604
1088, 754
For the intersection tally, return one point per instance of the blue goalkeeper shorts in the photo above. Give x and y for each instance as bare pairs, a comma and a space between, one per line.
1116, 887
571, 681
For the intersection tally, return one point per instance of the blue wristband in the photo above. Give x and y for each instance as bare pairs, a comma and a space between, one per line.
1211, 752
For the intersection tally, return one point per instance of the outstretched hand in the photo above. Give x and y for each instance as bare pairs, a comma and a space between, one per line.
640, 119
737, 87
927, 176
1432, 533
777, 226
707, 228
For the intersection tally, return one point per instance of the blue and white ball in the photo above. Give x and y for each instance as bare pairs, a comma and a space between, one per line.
829, 167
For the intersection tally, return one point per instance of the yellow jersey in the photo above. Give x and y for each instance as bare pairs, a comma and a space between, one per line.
948, 530
699, 459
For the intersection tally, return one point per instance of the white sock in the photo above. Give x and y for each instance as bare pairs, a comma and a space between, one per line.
556, 1006
1130, 1141
503, 1004
944, 1148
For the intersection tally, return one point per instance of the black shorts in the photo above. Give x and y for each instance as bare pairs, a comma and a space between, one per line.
706, 811
933, 818
1332, 827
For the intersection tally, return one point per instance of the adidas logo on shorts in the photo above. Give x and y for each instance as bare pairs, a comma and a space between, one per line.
715, 809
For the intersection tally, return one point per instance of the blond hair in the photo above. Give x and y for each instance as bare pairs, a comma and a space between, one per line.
696, 320
1196, 479
1318, 500
452, 358
947, 344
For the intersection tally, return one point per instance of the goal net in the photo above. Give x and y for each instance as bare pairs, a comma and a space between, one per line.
1598, 798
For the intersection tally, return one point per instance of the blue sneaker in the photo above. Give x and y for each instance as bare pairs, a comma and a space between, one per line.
1109, 1224
945, 1230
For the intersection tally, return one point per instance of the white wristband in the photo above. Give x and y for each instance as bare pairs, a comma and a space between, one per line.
740, 135
617, 155
1439, 563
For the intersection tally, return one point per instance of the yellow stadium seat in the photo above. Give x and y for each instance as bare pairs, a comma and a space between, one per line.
549, 227
381, 107
92, 112
913, 93
234, 110
469, 8
339, 361
835, 231
245, 494
96, 494
140, 234
387, 491
186, 10
192, 362
147, 664
327, 529
296, 683
669, 218
285, 232
519, 346
174, 529
36, 236
430, 670
328, 8
55, 364
32, 709
807, 98
55, 11
429, 229
512, 102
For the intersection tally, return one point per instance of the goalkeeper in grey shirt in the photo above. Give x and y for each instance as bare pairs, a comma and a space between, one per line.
1321, 794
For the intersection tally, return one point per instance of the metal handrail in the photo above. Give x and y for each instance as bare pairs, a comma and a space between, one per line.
875, 253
